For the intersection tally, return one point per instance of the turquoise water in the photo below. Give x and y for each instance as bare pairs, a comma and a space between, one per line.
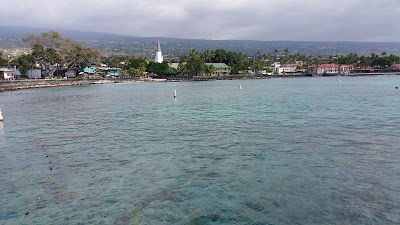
279, 151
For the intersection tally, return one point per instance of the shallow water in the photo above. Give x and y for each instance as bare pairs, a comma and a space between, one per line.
279, 151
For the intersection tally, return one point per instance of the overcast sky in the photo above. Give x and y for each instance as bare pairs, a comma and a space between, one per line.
308, 20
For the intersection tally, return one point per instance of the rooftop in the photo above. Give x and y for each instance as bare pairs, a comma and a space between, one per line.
219, 65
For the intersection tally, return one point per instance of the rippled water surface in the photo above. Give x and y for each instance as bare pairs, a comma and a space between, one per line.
279, 151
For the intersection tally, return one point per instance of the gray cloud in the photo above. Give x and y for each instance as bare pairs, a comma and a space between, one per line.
351, 20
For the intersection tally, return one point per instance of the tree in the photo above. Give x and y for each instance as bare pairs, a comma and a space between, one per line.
381, 62
171, 71
80, 57
159, 69
135, 72
48, 59
221, 56
287, 58
53, 51
182, 68
139, 63
276, 54
25, 62
267, 57
259, 65
256, 63
191, 64
208, 55
3, 62
238, 63
394, 59
209, 69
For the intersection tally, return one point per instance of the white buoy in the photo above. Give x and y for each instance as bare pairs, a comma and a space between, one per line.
1, 116
174, 93
240, 87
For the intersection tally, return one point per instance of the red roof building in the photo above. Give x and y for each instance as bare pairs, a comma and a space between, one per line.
395, 67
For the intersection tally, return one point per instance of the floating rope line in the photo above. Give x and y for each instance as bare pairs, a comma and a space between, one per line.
39, 197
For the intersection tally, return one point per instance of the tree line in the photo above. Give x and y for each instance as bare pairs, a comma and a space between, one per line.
51, 52
195, 63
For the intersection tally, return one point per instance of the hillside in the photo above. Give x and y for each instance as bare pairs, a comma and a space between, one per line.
10, 37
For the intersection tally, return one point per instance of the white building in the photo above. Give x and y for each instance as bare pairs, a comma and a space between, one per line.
287, 68
6, 74
331, 69
159, 58
276, 66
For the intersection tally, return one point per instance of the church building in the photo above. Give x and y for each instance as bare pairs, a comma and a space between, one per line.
159, 58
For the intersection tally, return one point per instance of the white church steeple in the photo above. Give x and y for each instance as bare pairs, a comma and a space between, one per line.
159, 58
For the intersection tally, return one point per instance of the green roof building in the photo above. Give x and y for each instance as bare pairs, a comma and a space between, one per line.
219, 69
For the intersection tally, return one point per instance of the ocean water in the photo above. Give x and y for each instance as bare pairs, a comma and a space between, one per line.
279, 151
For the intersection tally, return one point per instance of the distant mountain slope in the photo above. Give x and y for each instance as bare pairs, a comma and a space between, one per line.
10, 37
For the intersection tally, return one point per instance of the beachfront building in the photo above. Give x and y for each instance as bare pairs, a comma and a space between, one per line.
113, 72
345, 69
31, 74
395, 67
159, 57
87, 72
324, 69
289, 69
110, 72
219, 69
331, 69
362, 69
6, 73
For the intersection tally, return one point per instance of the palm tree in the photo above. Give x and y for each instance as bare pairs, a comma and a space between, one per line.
268, 57
195, 63
240, 63
276, 52
208, 55
182, 67
209, 69
287, 53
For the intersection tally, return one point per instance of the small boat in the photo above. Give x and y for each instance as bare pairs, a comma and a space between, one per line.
1, 116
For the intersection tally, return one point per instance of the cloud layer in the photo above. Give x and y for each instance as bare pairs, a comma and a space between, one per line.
328, 20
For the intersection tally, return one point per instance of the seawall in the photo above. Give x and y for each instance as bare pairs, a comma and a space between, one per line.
13, 85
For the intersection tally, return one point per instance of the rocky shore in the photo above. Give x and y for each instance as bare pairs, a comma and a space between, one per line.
13, 85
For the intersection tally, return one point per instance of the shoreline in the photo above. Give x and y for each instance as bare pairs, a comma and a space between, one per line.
15, 85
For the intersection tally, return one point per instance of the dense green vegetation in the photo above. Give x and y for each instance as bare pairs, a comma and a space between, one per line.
193, 63
382, 61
